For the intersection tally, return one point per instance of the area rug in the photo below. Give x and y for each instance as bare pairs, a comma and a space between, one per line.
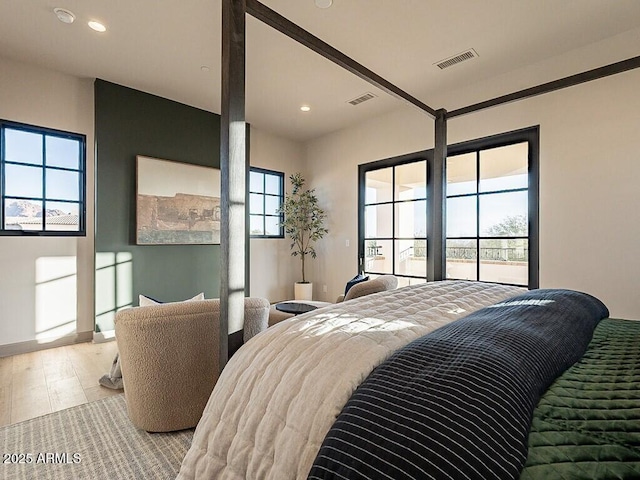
93, 441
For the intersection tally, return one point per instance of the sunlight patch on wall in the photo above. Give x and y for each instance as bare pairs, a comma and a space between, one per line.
56, 298
114, 287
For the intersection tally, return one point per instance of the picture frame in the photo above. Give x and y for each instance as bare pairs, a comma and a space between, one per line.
176, 203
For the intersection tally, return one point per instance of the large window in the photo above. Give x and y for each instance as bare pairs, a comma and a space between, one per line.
266, 194
395, 221
488, 215
491, 212
42, 181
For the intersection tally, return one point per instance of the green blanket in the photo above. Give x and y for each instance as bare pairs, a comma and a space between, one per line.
587, 425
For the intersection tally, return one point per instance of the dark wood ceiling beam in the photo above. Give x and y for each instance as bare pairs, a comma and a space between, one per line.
300, 35
570, 81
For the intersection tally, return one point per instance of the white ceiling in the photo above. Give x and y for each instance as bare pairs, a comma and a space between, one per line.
159, 46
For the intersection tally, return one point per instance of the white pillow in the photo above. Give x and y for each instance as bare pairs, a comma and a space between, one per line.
146, 301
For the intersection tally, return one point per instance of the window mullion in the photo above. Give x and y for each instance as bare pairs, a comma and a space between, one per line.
393, 220
44, 182
426, 221
264, 204
478, 215
2, 160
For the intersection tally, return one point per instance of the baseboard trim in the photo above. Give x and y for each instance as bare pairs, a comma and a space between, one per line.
102, 337
35, 345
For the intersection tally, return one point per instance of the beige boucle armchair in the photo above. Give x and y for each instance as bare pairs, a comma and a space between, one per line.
169, 359
378, 284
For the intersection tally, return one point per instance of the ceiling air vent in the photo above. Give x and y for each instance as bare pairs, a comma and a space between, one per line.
461, 57
362, 98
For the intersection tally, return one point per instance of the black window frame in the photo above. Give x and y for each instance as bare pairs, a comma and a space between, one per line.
82, 177
363, 169
264, 194
531, 135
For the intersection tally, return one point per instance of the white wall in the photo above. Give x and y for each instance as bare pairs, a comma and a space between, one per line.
273, 269
45, 282
589, 194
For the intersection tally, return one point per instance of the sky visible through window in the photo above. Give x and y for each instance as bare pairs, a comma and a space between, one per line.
265, 197
41, 171
495, 208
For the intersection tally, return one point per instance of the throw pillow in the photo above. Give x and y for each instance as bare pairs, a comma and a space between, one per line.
357, 279
145, 301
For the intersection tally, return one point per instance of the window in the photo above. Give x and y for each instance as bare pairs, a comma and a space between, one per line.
395, 220
491, 212
42, 181
490, 206
266, 194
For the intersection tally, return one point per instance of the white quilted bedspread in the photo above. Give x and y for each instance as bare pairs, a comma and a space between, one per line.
281, 392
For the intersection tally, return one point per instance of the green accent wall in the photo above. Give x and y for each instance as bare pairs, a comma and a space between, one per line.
129, 123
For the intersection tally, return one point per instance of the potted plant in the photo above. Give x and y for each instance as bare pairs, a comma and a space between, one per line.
303, 223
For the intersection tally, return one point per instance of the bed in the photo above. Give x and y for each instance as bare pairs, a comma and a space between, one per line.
289, 403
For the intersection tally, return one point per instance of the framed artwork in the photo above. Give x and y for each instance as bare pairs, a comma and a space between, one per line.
176, 203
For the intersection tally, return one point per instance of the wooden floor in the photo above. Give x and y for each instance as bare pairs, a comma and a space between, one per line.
34, 384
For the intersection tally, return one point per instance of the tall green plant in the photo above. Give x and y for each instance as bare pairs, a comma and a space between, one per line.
303, 220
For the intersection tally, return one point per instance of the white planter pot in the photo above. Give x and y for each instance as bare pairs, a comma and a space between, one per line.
303, 291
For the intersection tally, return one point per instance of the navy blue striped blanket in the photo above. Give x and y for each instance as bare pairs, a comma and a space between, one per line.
457, 403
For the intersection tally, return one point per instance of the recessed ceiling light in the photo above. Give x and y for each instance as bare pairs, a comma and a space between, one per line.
64, 15
305, 108
97, 26
323, 3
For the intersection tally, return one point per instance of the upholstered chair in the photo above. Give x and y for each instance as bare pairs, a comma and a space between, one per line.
169, 359
367, 287
378, 284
